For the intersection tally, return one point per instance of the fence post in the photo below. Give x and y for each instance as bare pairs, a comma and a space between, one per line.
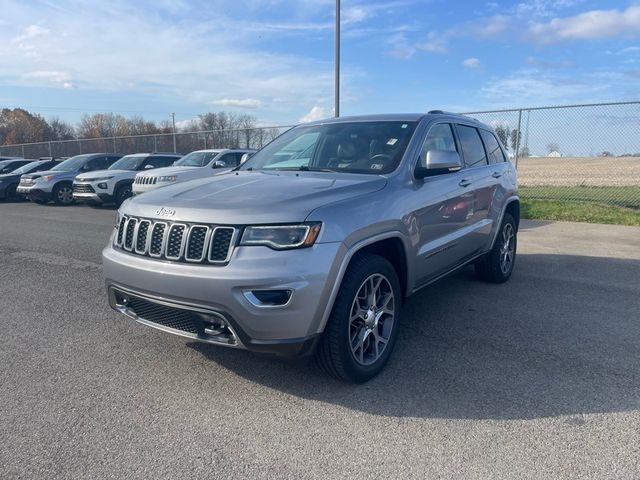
518, 137
50, 151
114, 144
155, 143
22, 151
80, 146
204, 137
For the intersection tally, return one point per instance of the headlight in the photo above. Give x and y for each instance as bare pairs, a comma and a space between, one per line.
167, 178
117, 219
281, 237
46, 178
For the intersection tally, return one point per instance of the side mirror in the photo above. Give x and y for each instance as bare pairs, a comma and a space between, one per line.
219, 164
147, 167
439, 162
245, 157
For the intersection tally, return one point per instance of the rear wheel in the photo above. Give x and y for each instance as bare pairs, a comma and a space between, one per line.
497, 265
362, 329
63, 194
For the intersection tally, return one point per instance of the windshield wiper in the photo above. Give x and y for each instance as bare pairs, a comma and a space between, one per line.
306, 168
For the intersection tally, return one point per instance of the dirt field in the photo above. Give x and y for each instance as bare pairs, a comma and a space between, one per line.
574, 171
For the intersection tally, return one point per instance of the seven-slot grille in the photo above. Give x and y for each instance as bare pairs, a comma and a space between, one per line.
144, 180
176, 241
83, 188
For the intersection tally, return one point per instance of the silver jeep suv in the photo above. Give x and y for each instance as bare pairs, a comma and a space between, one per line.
313, 244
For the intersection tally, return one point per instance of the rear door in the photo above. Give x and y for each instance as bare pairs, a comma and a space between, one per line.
482, 184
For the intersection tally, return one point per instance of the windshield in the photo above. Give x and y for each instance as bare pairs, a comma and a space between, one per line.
356, 147
128, 162
73, 163
196, 159
29, 167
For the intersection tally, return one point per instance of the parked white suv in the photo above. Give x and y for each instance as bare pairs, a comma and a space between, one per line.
198, 164
114, 184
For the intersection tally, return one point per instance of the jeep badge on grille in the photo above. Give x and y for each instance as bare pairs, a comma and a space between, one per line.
165, 212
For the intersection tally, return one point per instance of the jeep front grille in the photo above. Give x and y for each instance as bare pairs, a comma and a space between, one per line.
144, 180
176, 241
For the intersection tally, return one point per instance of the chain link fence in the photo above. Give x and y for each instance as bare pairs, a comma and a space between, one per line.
162, 142
579, 153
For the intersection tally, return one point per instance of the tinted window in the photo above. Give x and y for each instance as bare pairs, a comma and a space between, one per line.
440, 137
472, 148
98, 163
494, 152
159, 162
32, 167
71, 164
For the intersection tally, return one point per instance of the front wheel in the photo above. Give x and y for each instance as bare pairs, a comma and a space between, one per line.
122, 194
363, 326
497, 265
63, 194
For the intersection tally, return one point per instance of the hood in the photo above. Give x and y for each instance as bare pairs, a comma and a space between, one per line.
50, 172
244, 197
105, 173
8, 176
156, 172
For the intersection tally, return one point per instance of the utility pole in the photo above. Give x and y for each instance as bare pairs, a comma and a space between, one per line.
173, 119
337, 68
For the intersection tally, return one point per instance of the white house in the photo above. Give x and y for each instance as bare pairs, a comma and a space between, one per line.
554, 154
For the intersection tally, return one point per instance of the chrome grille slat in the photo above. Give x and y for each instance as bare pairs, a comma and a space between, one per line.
193, 243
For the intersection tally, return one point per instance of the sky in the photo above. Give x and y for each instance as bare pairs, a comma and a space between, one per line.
274, 58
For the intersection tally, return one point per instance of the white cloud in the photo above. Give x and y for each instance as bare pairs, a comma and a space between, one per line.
593, 24
48, 75
471, 62
316, 113
400, 47
35, 30
238, 102
436, 43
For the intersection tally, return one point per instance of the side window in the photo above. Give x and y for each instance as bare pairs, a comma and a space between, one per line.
159, 162
229, 159
494, 152
97, 163
440, 137
110, 160
472, 148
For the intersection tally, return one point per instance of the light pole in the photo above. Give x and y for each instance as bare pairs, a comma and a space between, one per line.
336, 107
173, 120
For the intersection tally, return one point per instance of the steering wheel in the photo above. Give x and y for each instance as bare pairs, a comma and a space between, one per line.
381, 156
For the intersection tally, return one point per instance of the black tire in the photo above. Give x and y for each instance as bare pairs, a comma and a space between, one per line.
492, 267
335, 354
62, 194
122, 193
10, 193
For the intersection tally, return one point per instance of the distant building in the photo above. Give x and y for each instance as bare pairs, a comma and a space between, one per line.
554, 154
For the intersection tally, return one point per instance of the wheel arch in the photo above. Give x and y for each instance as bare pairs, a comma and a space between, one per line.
390, 245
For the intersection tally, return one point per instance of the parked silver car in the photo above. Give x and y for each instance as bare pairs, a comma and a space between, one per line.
57, 183
313, 244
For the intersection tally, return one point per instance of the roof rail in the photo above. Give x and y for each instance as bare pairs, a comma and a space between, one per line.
440, 112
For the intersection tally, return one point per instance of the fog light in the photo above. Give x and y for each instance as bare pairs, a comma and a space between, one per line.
268, 298
102, 186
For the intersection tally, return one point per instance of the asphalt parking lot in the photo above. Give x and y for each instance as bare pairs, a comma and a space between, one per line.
537, 378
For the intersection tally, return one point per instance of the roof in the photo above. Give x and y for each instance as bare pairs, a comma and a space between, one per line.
390, 117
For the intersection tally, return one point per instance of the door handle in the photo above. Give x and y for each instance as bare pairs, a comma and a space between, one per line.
464, 182
496, 174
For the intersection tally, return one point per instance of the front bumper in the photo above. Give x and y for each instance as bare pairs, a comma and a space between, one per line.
34, 193
289, 329
93, 197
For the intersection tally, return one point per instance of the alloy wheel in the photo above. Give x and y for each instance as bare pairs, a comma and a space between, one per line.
372, 319
507, 248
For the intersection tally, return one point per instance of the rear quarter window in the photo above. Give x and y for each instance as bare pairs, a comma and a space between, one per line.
494, 152
472, 147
